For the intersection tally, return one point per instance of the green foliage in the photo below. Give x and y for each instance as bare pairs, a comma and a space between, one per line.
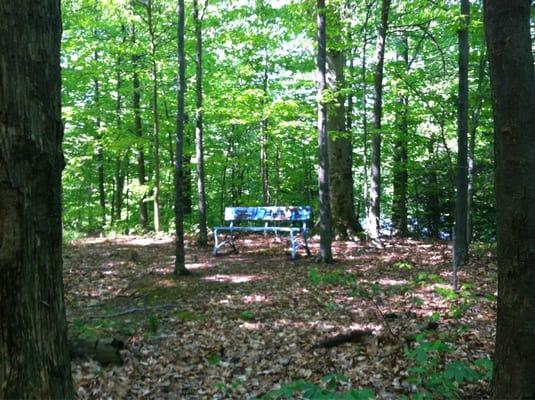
311, 391
335, 277
247, 315
153, 323
185, 315
436, 379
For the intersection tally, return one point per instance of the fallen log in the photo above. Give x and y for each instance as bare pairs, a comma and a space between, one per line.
363, 337
105, 351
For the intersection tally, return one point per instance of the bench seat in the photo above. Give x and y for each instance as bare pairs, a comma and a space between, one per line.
274, 219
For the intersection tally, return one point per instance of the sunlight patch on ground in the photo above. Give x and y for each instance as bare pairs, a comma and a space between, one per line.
252, 326
234, 278
256, 298
199, 265
393, 282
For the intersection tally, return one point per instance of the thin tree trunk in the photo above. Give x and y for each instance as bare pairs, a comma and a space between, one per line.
136, 103
33, 329
323, 170
119, 172
476, 114
180, 264
264, 170
507, 27
203, 234
460, 239
400, 170
432, 193
155, 117
363, 67
100, 150
374, 214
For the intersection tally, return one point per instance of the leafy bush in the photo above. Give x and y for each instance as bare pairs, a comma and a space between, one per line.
311, 391
437, 380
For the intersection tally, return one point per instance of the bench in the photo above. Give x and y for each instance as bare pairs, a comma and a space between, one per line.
275, 220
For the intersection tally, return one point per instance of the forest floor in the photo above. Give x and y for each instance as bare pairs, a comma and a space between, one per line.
242, 325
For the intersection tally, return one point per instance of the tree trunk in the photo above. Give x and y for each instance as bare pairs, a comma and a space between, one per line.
136, 104
432, 193
100, 150
363, 67
344, 220
264, 140
323, 170
476, 114
155, 117
460, 238
180, 265
374, 212
507, 27
119, 171
33, 331
400, 171
203, 235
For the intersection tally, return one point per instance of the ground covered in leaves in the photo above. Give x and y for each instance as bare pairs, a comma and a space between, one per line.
258, 324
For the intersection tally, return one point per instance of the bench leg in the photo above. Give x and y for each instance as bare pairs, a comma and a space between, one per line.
294, 245
305, 239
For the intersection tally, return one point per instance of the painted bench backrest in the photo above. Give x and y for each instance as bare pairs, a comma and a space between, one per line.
277, 213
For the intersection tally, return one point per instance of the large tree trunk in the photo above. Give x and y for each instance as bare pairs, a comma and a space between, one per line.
400, 170
138, 129
374, 212
507, 27
203, 235
344, 220
33, 341
323, 170
460, 238
180, 264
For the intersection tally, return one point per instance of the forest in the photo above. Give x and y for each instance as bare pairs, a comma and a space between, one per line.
267, 199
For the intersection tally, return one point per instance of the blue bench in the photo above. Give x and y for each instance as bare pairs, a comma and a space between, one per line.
275, 220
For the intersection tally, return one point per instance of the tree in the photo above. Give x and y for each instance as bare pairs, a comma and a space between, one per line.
400, 172
460, 238
375, 187
323, 170
507, 28
33, 331
155, 114
199, 151
345, 222
180, 264
138, 129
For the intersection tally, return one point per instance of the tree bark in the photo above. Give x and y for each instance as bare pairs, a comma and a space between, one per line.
100, 150
323, 170
155, 117
460, 238
344, 220
374, 212
180, 265
203, 234
432, 193
33, 331
138, 128
264, 140
400, 170
507, 28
